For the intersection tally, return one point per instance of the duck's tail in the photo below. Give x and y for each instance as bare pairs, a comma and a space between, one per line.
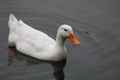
12, 20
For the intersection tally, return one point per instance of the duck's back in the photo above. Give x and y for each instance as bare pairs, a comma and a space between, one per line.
27, 39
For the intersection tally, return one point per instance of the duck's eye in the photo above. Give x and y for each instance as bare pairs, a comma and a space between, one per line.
65, 29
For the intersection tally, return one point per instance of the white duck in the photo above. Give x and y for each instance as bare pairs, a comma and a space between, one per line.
37, 44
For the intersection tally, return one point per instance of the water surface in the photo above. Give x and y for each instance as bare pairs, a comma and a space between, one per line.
96, 25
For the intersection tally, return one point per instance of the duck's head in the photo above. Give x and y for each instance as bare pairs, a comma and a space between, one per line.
66, 31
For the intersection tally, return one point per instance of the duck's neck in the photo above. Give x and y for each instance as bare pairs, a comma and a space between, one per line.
60, 40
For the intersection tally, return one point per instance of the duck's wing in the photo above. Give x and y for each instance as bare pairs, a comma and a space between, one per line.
35, 34
28, 37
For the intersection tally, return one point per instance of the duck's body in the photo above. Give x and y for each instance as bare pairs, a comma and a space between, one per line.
35, 43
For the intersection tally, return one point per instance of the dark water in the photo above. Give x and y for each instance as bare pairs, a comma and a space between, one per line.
96, 24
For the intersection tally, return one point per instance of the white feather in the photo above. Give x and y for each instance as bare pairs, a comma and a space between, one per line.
34, 43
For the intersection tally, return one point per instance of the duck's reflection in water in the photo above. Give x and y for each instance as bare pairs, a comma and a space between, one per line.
58, 66
58, 69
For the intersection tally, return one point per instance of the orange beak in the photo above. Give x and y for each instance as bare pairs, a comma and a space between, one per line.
74, 39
